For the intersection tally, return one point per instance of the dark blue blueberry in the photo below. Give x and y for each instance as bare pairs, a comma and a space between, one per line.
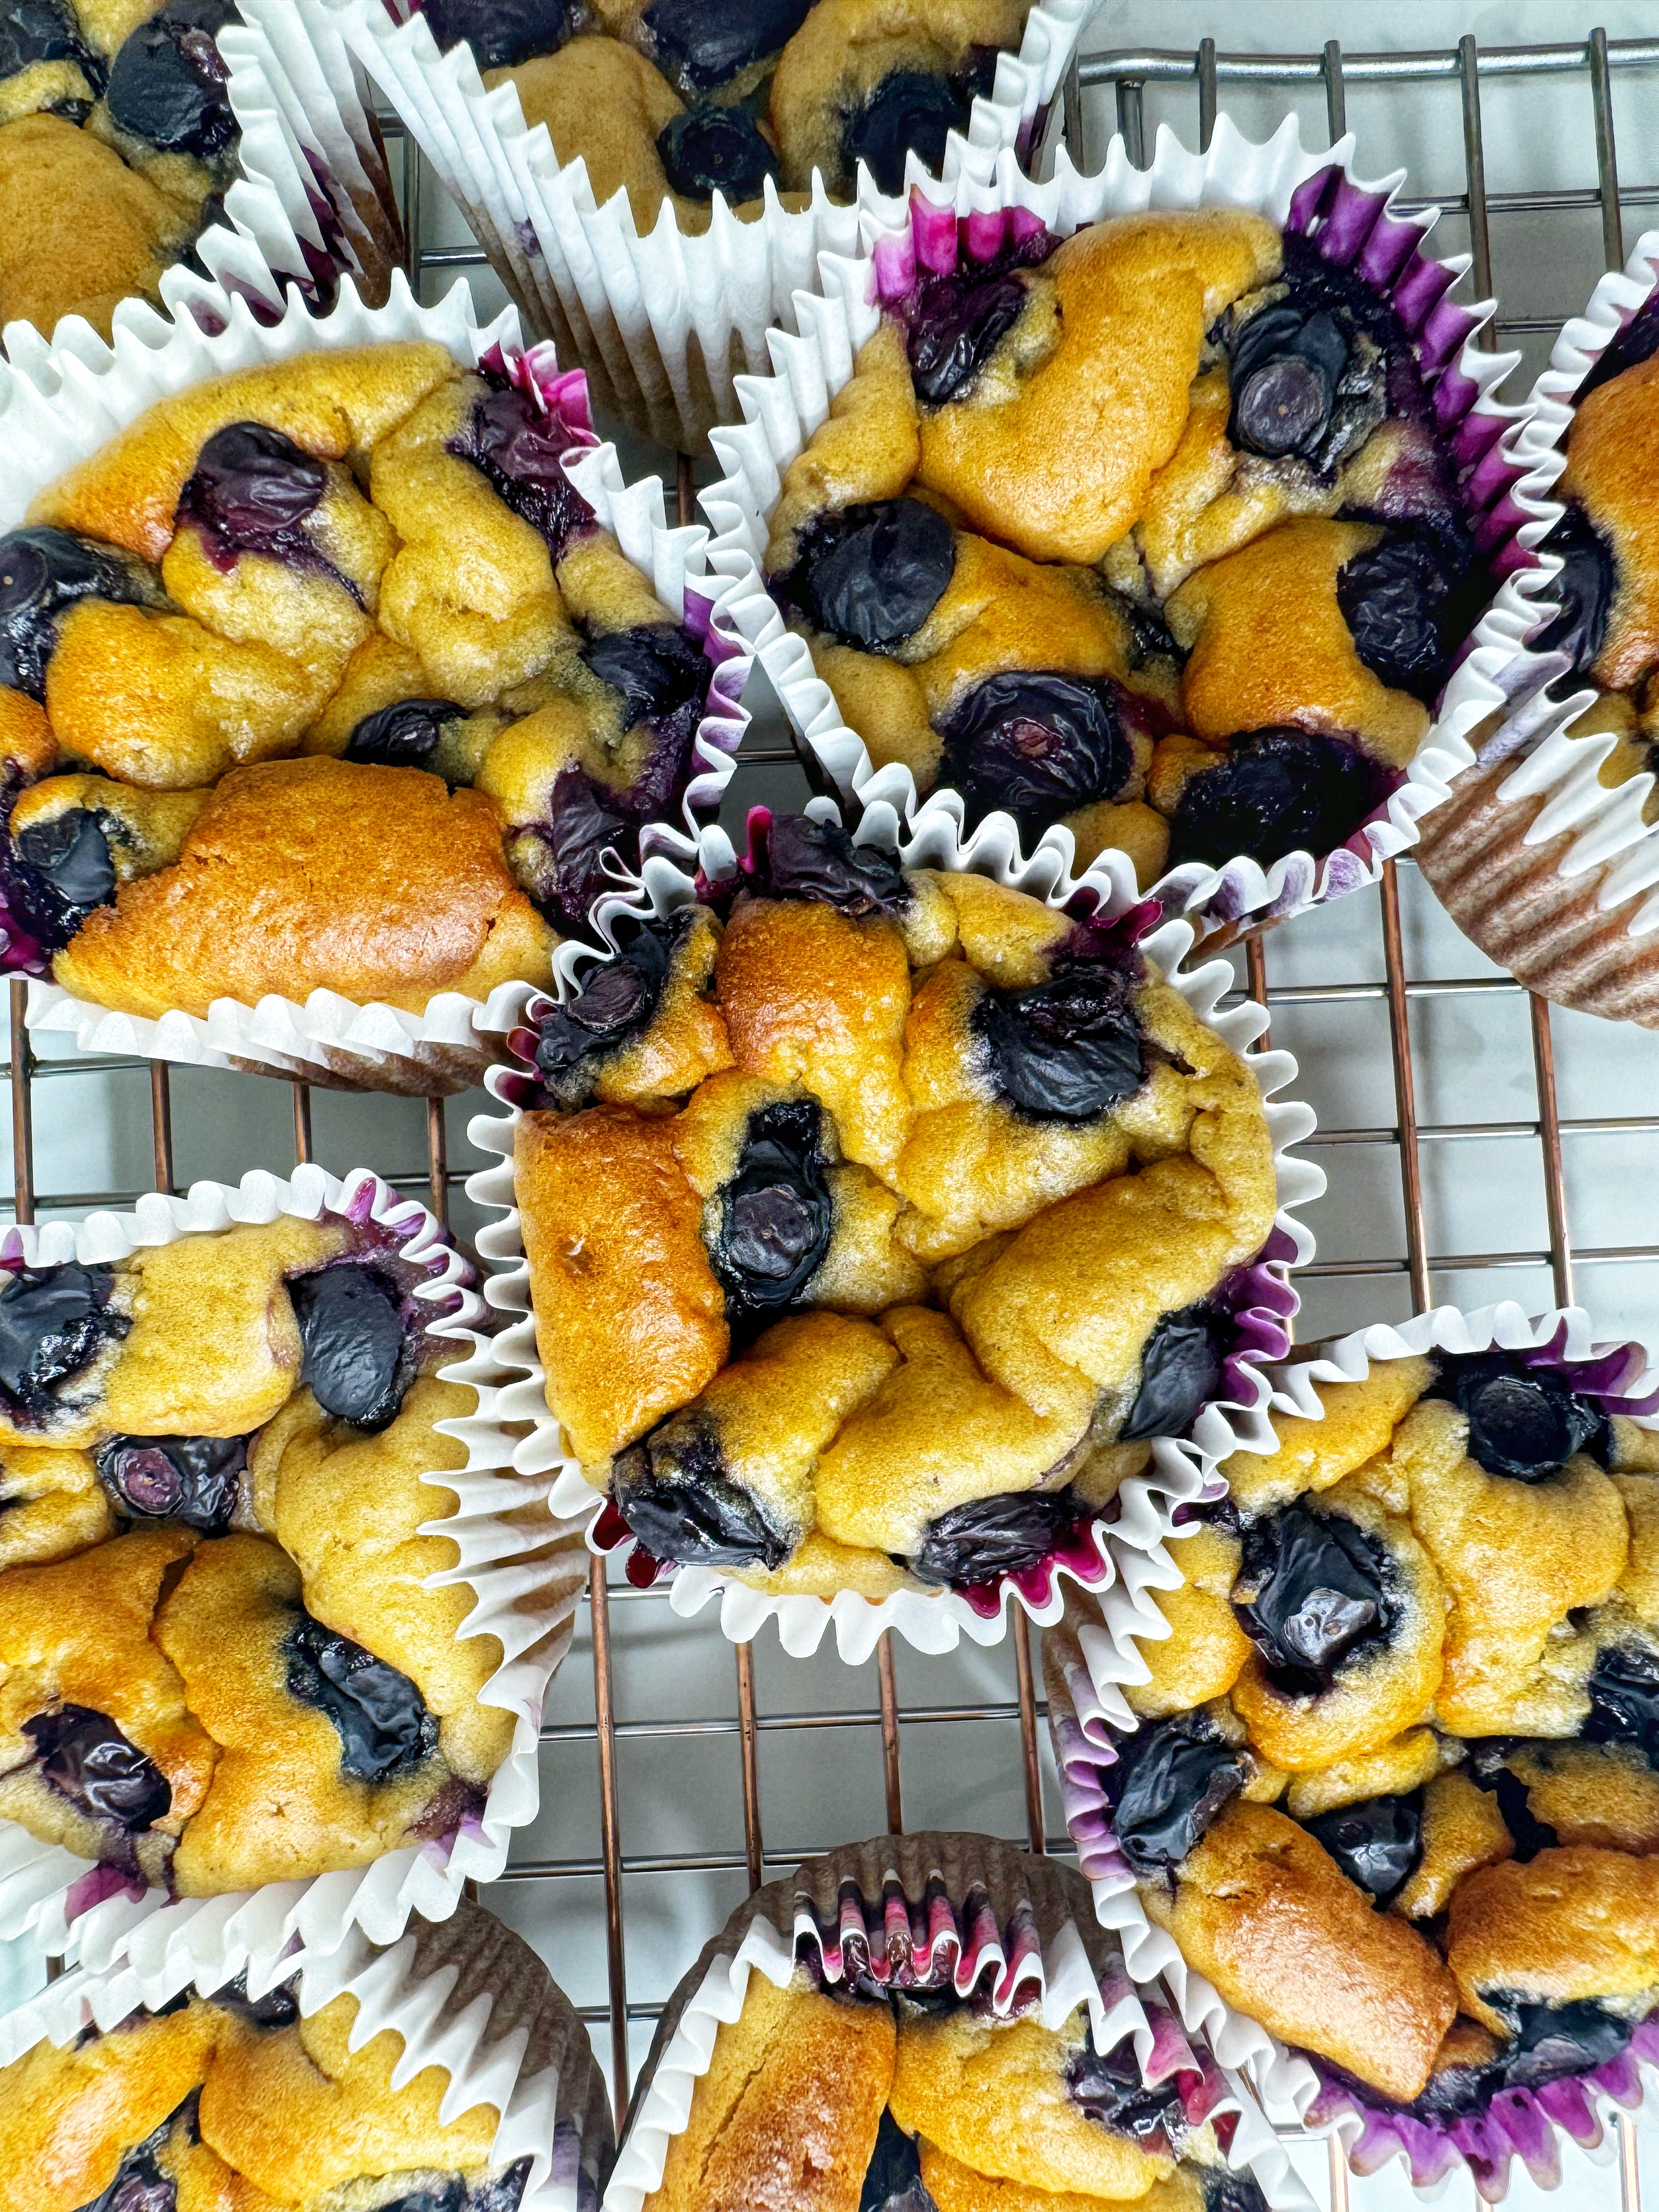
818, 861
1376, 1844
404, 736
1624, 1695
892, 2180
1585, 591
709, 42
705, 150
1552, 2041
658, 670
519, 450
1524, 1422
991, 1536
379, 1715
1311, 1592
676, 1494
358, 1360
168, 82
871, 575
501, 33
278, 2008
1231, 2192
776, 1218
43, 572
1283, 373
506, 2192
1038, 746
1067, 1050
956, 326
53, 1322
1638, 341
195, 1479
1275, 792
1487, 1769
1407, 605
61, 872
618, 1001
139, 2185
252, 491
583, 825
449, 2193
86, 1759
1180, 1371
908, 111
45, 31
1110, 2091
1170, 1785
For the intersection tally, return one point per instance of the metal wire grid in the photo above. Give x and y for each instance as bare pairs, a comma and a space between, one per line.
620, 1617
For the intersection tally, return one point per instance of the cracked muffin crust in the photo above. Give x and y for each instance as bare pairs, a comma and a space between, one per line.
1394, 1787
1152, 532
323, 675
117, 142
874, 1222
219, 1663
672, 100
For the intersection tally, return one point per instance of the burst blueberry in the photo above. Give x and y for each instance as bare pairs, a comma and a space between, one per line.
54, 1322
1182, 1368
501, 33
1400, 603
1109, 2089
1524, 1422
1283, 373
1170, 1785
33, 30
252, 491
85, 1758
1275, 792
520, 450
167, 83
658, 668
358, 1361
705, 150
1311, 1590
1038, 746
1376, 1844
907, 112
1004, 1534
44, 572
195, 1479
1067, 1050
378, 1714
616, 1002
1584, 591
892, 2180
63, 870
819, 861
872, 575
956, 326
675, 1493
404, 736
709, 42
775, 1218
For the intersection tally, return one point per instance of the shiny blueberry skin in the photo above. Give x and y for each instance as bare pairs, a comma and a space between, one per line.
892, 2180
1402, 603
45, 31
43, 573
86, 1759
1551, 2042
871, 575
519, 449
278, 2008
709, 42
1584, 590
53, 1322
1170, 1785
705, 150
1037, 744
1524, 1422
139, 2185
379, 1715
195, 1479
974, 1543
168, 81
252, 491
1231, 2192
583, 825
1284, 373
819, 861
1624, 1694
501, 33
358, 1361
682, 1505
1275, 792
1313, 1590
1486, 1767
1182, 1368
658, 670
61, 871
404, 736
617, 1003
908, 111
1067, 1050
776, 1218
1376, 1844
956, 326
1110, 2091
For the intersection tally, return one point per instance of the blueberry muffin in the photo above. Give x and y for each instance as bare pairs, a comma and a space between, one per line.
1151, 532
672, 100
117, 142
1394, 1787
324, 675
220, 1664
876, 1218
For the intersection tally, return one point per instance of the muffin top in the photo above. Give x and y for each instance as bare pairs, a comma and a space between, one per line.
872, 1226
219, 1665
673, 101
117, 144
1409, 1709
1151, 533
323, 675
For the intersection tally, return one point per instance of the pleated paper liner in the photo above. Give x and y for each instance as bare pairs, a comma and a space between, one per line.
1260, 1295
62, 403
1552, 874
1093, 1653
1314, 194
467, 1996
661, 323
527, 1572
908, 1909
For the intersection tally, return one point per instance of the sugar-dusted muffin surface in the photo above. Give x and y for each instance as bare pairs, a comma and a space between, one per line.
1151, 532
324, 675
220, 1663
1394, 1788
874, 1228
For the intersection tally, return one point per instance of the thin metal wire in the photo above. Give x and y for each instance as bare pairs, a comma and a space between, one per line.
437, 1154
161, 1123
302, 1123
749, 1738
890, 1733
22, 1108
1031, 1750
611, 1837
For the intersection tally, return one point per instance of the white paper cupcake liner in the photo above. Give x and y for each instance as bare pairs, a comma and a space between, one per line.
1295, 187
660, 322
526, 1572
1595, 861
59, 404
1094, 1653
468, 1996
897, 1907
1145, 1505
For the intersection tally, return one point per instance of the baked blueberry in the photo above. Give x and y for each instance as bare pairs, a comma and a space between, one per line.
195, 1479
519, 449
251, 492
892, 2181
1624, 1695
53, 1322
43, 572
1038, 746
86, 1759
1312, 1590
1487, 1768
278, 2008
1067, 1050
1285, 370
139, 2183
358, 1362
46, 31
1110, 2090
404, 736
1555, 2040
818, 861
1169, 1784
619, 998
501, 33
776, 1218
675, 1493
1004, 1534
584, 823
1584, 590
709, 42
1313, 372
1524, 1422
1275, 792
660, 672
872, 575
1376, 1844
955, 325
168, 82
705, 150
380, 1717
1638, 341
1181, 1370
1402, 602
908, 109
61, 871
1231, 2192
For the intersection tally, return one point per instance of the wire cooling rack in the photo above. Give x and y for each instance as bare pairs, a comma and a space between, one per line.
1479, 1145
